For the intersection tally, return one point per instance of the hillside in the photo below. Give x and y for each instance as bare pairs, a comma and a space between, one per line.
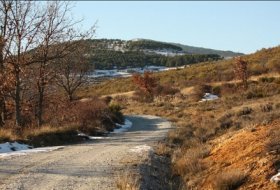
120, 54
201, 50
227, 143
158, 47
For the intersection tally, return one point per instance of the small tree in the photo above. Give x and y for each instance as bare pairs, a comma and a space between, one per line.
241, 71
146, 84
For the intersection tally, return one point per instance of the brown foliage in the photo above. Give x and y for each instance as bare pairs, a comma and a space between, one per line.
146, 83
241, 71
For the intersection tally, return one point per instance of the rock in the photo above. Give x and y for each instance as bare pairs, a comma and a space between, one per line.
275, 179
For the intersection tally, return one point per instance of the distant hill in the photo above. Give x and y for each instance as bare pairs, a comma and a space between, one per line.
121, 54
158, 47
200, 50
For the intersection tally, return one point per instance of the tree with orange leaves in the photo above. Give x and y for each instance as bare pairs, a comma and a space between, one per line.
146, 83
241, 71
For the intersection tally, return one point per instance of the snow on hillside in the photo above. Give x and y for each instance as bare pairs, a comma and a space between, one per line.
128, 72
165, 52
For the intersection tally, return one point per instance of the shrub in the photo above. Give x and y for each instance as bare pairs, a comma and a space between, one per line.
140, 97
273, 144
190, 161
146, 85
228, 88
226, 123
93, 117
51, 136
216, 90
266, 107
117, 115
273, 64
254, 93
107, 99
267, 79
244, 111
163, 90
229, 180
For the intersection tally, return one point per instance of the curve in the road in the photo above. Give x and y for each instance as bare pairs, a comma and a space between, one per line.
91, 165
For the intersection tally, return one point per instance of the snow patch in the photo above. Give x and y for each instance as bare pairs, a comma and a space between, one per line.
141, 148
275, 178
11, 147
209, 97
16, 149
122, 128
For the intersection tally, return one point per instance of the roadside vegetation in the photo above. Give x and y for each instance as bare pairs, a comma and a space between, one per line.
228, 143
42, 66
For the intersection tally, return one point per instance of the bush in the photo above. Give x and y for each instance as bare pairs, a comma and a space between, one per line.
266, 107
255, 93
163, 90
244, 111
117, 115
190, 161
267, 79
142, 97
93, 117
228, 88
51, 136
216, 90
229, 180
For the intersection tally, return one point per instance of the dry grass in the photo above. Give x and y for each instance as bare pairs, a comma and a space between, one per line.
273, 144
200, 124
229, 180
162, 149
189, 161
127, 181
7, 134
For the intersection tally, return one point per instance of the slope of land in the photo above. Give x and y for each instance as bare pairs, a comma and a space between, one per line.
201, 50
245, 151
227, 143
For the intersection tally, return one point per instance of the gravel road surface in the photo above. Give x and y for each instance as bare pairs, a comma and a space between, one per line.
91, 165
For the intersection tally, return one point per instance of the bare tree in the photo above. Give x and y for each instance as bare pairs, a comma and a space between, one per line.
25, 21
34, 36
72, 69
5, 8
54, 28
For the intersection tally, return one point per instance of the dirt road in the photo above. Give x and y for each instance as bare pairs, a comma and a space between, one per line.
91, 165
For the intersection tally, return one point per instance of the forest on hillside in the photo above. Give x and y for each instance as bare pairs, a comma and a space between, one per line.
107, 59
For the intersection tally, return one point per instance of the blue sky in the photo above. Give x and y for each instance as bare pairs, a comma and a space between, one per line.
237, 26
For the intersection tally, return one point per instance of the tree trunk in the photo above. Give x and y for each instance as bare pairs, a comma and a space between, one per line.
2, 112
70, 96
2, 100
17, 98
40, 106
